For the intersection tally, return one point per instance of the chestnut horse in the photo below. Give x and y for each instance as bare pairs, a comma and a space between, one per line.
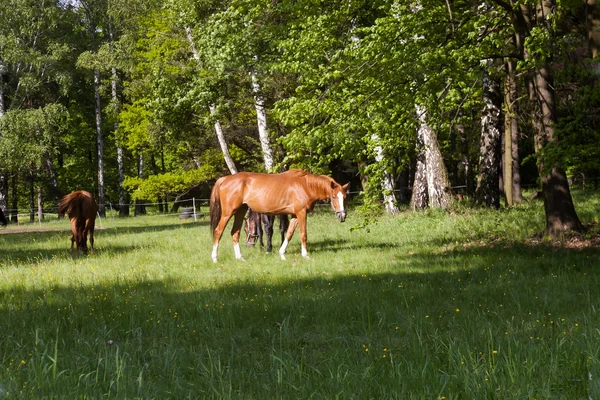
254, 228
81, 208
294, 192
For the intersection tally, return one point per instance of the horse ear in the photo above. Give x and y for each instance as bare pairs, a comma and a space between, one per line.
345, 187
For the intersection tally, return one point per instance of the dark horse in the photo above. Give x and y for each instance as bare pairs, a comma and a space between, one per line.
254, 228
3, 221
81, 208
293, 192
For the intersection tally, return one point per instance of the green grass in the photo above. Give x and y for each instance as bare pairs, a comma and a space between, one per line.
422, 305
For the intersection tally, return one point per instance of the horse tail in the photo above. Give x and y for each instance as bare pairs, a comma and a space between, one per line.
68, 203
215, 206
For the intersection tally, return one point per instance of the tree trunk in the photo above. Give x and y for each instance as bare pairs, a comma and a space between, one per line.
99, 143
438, 184
140, 208
212, 108
487, 192
419, 198
263, 132
558, 203
4, 194
387, 182
31, 198
465, 161
40, 208
14, 208
512, 174
223, 144
123, 206
593, 29
3, 175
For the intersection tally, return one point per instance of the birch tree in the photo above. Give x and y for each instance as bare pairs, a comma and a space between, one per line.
213, 110
488, 192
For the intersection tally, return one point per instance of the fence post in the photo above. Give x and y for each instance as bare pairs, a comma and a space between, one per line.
194, 205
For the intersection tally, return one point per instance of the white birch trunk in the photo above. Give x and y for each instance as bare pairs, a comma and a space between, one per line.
223, 143
387, 184
218, 128
100, 143
261, 117
3, 180
488, 191
419, 198
120, 163
438, 184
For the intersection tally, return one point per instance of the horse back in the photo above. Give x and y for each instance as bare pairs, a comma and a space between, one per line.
282, 193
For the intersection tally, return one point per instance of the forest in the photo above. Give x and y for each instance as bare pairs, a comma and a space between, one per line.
416, 103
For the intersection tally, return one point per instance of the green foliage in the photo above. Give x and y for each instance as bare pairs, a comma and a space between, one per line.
171, 184
30, 136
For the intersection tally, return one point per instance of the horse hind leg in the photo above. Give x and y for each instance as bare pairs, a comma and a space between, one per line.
236, 229
288, 237
90, 225
218, 233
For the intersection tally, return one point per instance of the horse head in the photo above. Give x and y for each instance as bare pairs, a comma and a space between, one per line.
338, 194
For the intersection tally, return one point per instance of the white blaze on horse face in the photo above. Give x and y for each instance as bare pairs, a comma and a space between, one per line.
282, 249
214, 252
340, 196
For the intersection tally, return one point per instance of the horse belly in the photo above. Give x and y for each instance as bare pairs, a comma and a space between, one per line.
262, 203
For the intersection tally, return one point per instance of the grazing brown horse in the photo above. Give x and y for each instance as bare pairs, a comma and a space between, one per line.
294, 192
81, 208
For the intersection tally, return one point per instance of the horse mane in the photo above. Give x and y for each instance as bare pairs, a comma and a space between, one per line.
320, 184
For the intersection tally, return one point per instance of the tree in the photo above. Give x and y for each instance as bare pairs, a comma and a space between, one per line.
488, 192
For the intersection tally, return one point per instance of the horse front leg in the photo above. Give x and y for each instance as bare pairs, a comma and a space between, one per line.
236, 229
303, 236
288, 237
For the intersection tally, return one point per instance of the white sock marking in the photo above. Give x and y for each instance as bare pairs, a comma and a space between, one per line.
282, 249
214, 252
237, 251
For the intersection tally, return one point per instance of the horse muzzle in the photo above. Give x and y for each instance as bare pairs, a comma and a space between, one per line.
341, 215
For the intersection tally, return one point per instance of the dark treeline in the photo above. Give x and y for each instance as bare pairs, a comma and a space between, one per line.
413, 102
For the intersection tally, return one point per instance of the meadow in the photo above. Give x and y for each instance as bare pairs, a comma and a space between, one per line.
466, 304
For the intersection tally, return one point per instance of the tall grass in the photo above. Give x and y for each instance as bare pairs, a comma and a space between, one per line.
421, 305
